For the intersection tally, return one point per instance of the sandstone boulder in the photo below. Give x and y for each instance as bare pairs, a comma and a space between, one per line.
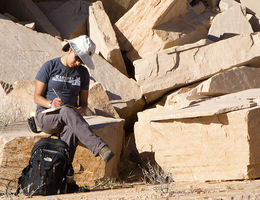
102, 33
16, 142
229, 23
220, 145
234, 80
217, 105
124, 93
98, 102
150, 26
23, 51
168, 69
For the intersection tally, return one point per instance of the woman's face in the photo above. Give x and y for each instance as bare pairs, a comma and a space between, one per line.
73, 60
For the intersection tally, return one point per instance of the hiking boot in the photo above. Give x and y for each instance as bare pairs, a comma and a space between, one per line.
106, 154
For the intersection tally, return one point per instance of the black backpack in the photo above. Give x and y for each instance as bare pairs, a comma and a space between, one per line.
47, 168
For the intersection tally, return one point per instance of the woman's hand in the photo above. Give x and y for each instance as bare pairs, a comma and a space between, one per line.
56, 102
81, 110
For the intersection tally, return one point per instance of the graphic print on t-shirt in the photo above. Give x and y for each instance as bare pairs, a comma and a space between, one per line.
71, 80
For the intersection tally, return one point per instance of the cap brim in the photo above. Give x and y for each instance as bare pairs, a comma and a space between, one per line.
86, 59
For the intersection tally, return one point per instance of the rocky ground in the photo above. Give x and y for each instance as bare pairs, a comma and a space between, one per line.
242, 190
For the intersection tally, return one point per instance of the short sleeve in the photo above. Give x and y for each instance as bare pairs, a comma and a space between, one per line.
84, 76
44, 73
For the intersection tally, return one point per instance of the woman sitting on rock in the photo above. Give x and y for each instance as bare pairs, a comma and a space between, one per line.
64, 81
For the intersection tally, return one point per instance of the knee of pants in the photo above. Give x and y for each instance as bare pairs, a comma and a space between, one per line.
68, 111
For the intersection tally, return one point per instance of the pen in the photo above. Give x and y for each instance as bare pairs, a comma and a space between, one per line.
55, 93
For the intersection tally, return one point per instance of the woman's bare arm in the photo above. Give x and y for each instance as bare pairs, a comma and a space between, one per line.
40, 88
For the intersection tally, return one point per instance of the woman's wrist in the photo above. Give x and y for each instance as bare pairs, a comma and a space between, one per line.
50, 104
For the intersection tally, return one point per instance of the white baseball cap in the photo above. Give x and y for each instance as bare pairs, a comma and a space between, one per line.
85, 48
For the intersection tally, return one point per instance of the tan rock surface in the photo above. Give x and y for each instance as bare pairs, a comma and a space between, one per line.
226, 4
124, 93
98, 102
222, 104
234, 80
102, 33
16, 142
230, 81
150, 26
168, 69
253, 8
181, 97
17, 105
21, 59
229, 23
220, 146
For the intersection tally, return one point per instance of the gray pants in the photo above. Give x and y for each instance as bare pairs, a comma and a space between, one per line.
71, 127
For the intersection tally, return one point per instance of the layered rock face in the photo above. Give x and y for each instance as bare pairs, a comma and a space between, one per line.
171, 69
211, 140
150, 26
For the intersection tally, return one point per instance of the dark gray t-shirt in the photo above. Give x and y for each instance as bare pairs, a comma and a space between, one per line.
67, 81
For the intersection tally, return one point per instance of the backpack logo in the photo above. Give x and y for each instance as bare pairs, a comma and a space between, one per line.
48, 159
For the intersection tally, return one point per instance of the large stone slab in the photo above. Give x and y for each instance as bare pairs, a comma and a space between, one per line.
170, 69
71, 18
234, 80
102, 33
124, 93
16, 142
23, 51
218, 105
221, 146
229, 23
98, 102
152, 25
26, 10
